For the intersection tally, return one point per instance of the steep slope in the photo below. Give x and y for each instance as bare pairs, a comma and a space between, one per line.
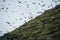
44, 27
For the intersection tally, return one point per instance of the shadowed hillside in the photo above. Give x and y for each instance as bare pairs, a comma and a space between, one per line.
44, 27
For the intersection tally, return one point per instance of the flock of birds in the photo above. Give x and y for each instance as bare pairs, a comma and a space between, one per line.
27, 5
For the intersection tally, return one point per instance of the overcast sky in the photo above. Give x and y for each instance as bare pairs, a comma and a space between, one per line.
14, 13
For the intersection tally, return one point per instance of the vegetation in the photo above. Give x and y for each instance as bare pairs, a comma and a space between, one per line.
44, 27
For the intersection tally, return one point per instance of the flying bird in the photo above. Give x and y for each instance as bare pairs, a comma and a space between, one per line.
38, 3
22, 14
20, 18
10, 25
27, 5
18, 1
2, 8
33, 3
8, 22
19, 6
6, 8
25, 2
13, 22
43, 5
25, 17
30, 13
42, 1
3, 0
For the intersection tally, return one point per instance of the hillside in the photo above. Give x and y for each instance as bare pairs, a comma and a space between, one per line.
44, 27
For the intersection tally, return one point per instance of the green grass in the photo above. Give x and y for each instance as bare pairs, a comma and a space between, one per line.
43, 27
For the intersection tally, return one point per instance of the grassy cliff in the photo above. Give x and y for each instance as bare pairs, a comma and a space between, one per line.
44, 27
